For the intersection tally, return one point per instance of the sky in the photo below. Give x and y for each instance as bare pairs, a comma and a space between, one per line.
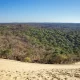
40, 11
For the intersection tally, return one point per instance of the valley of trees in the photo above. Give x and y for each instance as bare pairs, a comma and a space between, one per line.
47, 43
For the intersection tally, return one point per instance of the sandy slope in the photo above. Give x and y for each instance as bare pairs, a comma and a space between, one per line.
15, 70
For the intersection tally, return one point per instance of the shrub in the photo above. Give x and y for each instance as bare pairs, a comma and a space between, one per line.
5, 53
27, 59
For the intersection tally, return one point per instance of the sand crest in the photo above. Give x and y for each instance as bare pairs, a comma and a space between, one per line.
15, 70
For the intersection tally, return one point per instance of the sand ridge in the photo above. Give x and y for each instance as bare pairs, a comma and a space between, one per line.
15, 70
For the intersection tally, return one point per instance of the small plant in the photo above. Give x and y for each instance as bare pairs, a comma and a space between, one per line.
27, 59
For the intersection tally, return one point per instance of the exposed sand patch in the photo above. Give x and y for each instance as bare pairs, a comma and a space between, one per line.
15, 70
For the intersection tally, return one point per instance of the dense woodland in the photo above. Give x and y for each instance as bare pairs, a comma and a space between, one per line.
40, 42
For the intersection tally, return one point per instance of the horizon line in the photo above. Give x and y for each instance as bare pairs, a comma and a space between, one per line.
40, 22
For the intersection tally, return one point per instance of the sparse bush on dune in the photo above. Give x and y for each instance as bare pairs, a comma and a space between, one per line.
27, 59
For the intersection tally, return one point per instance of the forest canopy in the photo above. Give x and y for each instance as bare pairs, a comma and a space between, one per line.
40, 42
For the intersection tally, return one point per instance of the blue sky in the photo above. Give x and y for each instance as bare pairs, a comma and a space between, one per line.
40, 11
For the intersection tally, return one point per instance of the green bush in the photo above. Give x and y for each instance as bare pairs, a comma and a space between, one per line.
5, 53
27, 59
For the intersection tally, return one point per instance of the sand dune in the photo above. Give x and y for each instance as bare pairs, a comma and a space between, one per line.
15, 70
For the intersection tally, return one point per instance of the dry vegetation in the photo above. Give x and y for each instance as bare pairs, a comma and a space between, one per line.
42, 43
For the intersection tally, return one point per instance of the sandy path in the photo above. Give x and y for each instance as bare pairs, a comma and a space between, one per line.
15, 70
